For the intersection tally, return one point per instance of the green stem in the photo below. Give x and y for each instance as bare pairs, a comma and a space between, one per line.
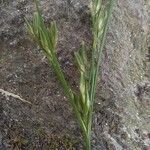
87, 133
84, 113
88, 142
103, 39
68, 92
87, 138
94, 74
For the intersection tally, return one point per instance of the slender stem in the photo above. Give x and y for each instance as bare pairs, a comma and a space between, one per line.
94, 70
87, 138
103, 38
88, 142
94, 75
83, 111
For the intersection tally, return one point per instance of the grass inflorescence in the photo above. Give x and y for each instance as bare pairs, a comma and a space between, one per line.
82, 102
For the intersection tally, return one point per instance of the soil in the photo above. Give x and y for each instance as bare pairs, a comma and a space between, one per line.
121, 116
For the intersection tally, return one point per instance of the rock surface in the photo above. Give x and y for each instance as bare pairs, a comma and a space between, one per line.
122, 114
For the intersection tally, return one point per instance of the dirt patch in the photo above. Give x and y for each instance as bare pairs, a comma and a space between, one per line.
122, 103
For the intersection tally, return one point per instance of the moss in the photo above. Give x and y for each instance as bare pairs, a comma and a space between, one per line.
18, 142
56, 141
61, 142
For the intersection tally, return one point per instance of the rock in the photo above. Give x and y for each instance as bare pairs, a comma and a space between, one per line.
122, 114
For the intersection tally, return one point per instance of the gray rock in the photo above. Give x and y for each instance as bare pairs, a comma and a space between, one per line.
122, 114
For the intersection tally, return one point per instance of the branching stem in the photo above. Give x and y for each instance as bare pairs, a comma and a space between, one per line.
83, 101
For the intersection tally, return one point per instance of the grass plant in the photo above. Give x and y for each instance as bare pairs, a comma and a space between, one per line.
82, 102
